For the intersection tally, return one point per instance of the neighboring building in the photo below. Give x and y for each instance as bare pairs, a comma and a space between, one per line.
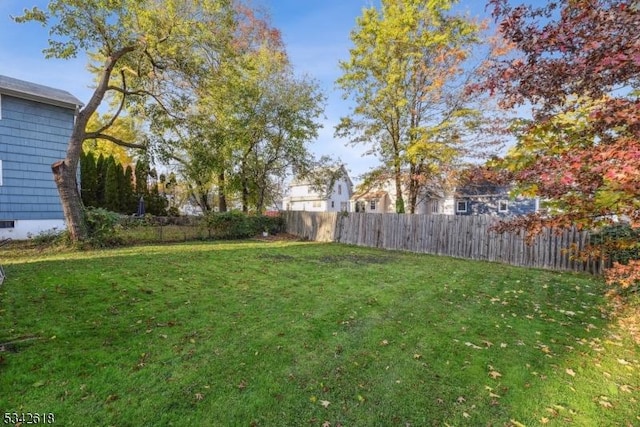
381, 195
490, 199
441, 197
381, 198
35, 125
331, 196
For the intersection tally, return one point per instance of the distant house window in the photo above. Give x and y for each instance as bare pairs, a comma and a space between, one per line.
344, 206
372, 205
360, 206
462, 206
315, 204
333, 204
7, 224
434, 207
503, 206
339, 189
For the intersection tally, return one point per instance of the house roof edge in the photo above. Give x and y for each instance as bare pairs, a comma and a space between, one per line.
37, 92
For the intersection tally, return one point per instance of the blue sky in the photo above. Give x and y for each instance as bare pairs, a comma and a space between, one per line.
316, 34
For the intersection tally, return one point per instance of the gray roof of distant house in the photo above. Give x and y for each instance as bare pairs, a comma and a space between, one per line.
35, 92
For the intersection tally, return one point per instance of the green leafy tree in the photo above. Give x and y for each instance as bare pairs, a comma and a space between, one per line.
111, 188
133, 44
577, 63
101, 173
405, 77
247, 119
141, 173
128, 195
274, 120
89, 179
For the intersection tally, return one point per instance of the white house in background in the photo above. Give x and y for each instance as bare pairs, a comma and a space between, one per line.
381, 196
333, 196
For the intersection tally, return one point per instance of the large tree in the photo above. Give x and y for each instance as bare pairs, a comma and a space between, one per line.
577, 64
246, 119
133, 44
405, 77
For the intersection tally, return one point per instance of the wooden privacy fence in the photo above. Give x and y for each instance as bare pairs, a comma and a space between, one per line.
467, 237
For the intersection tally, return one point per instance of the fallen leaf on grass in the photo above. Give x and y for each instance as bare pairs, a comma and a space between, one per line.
625, 388
553, 412
466, 415
605, 403
472, 345
199, 396
495, 374
461, 399
325, 403
544, 420
570, 372
111, 398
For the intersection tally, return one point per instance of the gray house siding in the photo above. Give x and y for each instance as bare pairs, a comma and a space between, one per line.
33, 135
491, 199
490, 205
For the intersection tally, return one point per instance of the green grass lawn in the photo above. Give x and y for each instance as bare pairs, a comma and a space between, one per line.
305, 334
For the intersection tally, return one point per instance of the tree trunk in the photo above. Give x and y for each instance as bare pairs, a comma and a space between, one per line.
245, 186
65, 171
222, 198
245, 198
203, 197
64, 175
414, 187
260, 203
399, 196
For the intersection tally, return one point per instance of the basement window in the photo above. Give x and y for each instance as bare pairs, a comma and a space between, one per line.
461, 206
7, 224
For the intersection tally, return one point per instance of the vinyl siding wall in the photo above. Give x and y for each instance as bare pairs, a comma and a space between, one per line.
32, 137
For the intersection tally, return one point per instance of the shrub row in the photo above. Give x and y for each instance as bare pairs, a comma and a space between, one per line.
103, 225
620, 242
237, 225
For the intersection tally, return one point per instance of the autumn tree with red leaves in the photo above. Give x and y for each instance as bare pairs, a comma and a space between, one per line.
578, 67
